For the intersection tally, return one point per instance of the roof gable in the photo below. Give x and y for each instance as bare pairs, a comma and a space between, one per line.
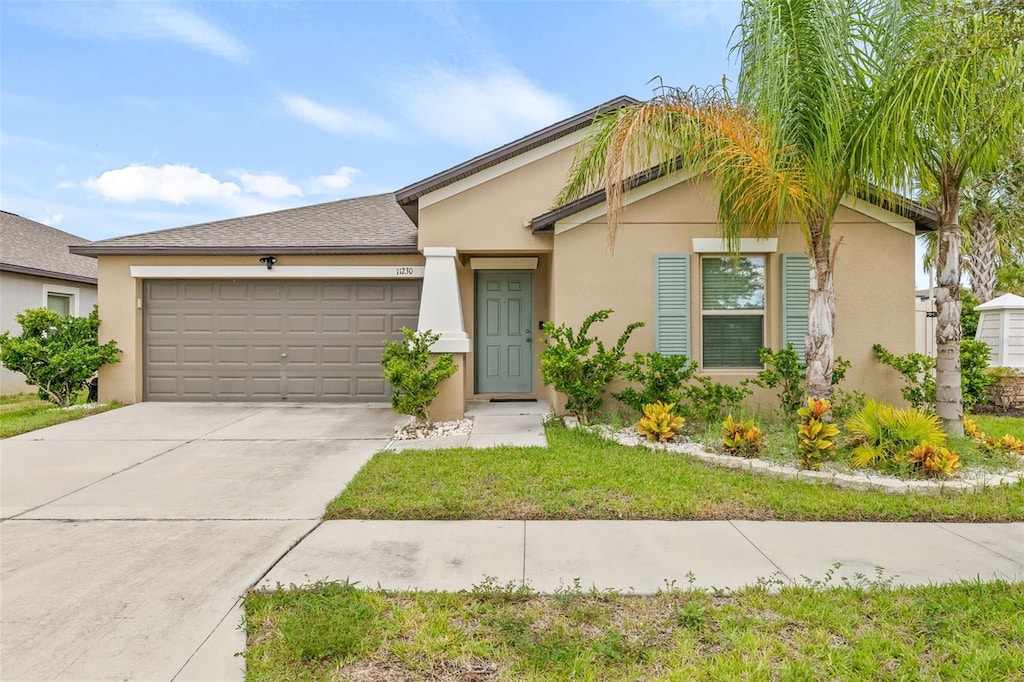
409, 194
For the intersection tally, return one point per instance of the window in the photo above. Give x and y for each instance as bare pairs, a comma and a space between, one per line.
59, 303
732, 311
60, 299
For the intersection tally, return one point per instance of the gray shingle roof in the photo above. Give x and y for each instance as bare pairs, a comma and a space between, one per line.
32, 248
374, 224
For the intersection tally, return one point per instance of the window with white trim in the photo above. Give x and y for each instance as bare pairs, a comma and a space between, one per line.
732, 311
60, 299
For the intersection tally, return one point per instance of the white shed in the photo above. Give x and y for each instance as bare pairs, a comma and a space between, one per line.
1001, 327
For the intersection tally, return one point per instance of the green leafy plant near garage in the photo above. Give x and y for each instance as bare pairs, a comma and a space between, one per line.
58, 354
415, 372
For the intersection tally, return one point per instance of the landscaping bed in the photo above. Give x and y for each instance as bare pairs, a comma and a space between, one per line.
964, 631
23, 413
583, 476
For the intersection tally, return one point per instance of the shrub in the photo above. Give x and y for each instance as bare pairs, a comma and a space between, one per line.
784, 370
930, 460
881, 433
57, 354
845, 404
742, 438
918, 372
1006, 387
661, 378
659, 422
579, 366
414, 376
968, 315
974, 376
708, 401
815, 435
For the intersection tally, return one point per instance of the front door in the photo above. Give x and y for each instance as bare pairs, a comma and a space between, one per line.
504, 331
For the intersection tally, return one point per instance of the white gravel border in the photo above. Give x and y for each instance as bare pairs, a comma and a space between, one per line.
973, 480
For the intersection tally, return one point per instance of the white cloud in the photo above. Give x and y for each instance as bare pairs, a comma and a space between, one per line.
481, 110
697, 13
139, 21
67, 184
52, 218
269, 185
336, 120
335, 182
173, 184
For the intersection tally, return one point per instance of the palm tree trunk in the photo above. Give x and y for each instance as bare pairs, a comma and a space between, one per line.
982, 263
821, 316
948, 395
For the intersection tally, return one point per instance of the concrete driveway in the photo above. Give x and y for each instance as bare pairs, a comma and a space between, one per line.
128, 537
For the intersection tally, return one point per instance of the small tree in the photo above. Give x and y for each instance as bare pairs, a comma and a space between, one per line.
413, 376
58, 354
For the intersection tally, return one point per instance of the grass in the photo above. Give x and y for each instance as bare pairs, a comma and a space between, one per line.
582, 476
24, 413
965, 631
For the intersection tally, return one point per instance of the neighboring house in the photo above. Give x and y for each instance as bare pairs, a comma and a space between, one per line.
479, 255
38, 271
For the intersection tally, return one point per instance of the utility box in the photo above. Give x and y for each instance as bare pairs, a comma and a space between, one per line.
1001, 327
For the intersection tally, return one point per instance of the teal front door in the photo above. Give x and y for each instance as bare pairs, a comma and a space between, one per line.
504, 331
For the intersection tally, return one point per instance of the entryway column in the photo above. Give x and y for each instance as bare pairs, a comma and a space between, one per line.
441, 313
440, 302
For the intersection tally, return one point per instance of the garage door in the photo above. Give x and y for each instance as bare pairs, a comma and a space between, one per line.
251, 340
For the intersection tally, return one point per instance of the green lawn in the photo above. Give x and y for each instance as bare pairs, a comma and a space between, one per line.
24, 413
965, 632
582, 476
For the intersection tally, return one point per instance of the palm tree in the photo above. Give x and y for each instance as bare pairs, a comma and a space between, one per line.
949, 105
778, 149
991, 228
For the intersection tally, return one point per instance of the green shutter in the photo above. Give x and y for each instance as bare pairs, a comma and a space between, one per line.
672, 304
796, 280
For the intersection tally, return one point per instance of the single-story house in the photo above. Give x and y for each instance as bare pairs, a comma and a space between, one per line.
294, 305
37, 271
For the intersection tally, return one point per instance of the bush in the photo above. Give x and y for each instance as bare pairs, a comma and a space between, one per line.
974, 377
931, 460
744, 439
708, 401
579, 366
413, 376
882, 433
661, 379
659, 422
968, 315
57, 354
815, 434
784, 369
918, 372
1006, 387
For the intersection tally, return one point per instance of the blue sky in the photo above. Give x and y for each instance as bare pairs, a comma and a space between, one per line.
125, 117
118, 117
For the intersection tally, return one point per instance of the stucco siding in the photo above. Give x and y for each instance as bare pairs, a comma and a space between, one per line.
493, 217
874, 281
121, 314
20, 292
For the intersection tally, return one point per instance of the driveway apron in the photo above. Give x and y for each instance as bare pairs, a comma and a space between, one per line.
128, 537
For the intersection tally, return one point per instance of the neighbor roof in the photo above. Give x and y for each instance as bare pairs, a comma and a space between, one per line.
374, 224
31, 248
407, 195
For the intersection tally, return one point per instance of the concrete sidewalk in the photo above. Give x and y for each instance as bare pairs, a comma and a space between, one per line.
645, 556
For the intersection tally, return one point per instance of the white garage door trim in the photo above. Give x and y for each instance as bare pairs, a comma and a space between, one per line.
278, 272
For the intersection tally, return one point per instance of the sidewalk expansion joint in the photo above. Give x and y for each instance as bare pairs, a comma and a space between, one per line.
978, 544
761, 552
285, 553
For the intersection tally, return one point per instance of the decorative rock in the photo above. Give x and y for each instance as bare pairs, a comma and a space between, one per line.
415, 430
856, 480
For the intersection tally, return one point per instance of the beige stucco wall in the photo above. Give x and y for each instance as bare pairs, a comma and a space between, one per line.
492, 217
20, 292
120, 301
874, 281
